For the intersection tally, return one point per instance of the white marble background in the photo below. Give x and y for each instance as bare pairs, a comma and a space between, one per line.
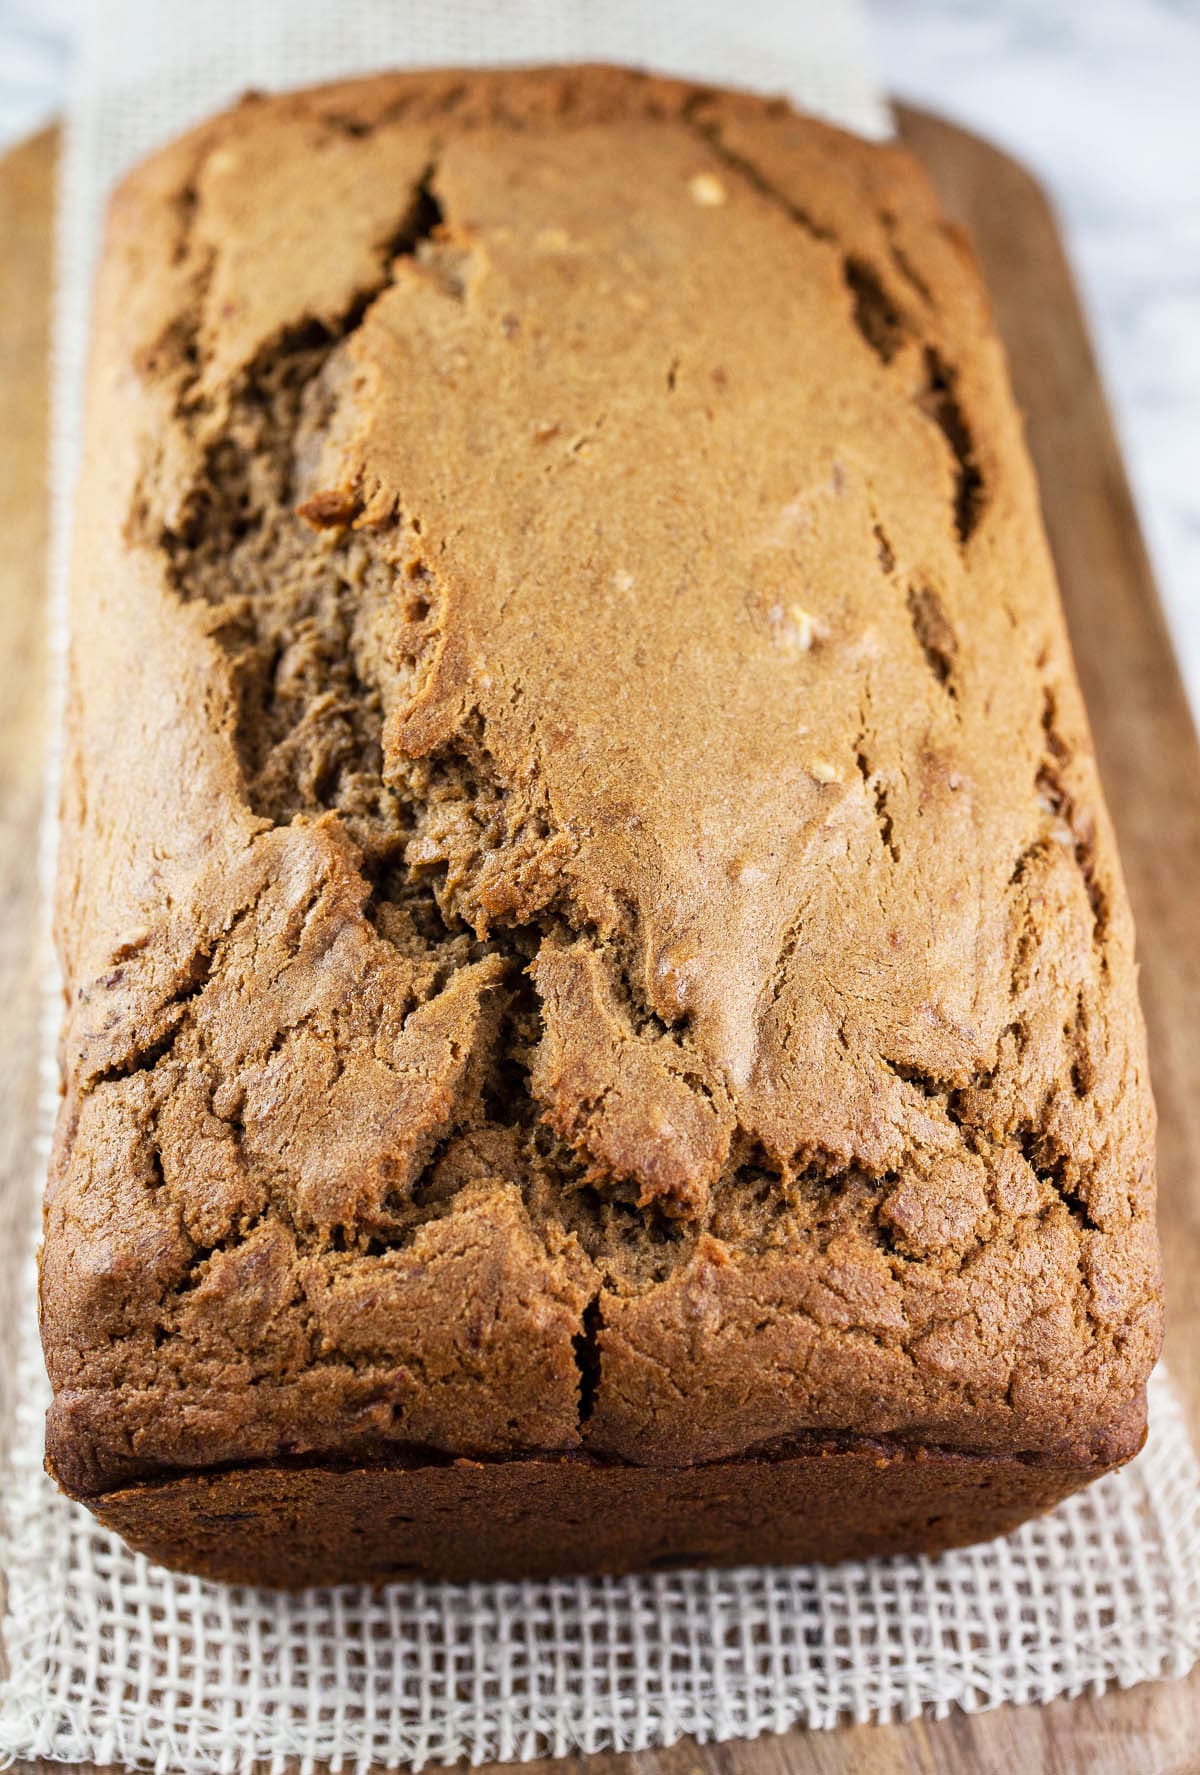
1101, 98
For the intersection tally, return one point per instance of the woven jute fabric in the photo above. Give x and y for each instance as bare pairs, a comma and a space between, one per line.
112, 1660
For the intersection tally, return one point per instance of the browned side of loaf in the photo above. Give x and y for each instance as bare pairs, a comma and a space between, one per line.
289, 1527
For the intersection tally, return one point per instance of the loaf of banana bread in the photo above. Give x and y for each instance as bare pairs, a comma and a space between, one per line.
601, 1022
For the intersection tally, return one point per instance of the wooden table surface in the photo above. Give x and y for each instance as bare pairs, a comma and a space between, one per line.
1151, 768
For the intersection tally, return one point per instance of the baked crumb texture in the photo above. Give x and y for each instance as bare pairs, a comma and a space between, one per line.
590, 924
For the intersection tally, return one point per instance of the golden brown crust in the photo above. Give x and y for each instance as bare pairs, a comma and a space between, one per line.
588, 913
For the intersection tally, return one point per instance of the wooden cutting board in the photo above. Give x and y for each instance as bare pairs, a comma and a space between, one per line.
1151, 768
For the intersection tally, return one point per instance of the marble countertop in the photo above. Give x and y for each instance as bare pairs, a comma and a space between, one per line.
1098, 97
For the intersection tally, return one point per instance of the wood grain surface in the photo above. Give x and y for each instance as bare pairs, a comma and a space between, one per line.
25, 225
1151, 768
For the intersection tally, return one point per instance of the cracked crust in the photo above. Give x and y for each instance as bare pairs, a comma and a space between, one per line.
589, 919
